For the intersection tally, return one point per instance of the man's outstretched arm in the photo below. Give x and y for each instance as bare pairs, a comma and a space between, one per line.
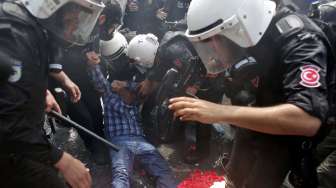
285, 119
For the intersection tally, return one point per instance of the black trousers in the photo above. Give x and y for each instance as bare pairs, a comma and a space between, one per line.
88, 113
19, 172
326, 155
257, 161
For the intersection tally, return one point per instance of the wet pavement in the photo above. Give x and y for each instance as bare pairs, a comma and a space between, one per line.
69, 140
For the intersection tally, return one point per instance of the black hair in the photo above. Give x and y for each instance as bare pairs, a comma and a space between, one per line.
113, 13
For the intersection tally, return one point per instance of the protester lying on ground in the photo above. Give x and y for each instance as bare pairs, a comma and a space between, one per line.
123, 123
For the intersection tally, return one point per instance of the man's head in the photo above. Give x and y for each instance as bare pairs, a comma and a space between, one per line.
219, 34
71, 20
142, 51
109, 20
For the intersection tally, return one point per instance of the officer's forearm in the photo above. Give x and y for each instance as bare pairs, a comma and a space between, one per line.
61, 77
284, 119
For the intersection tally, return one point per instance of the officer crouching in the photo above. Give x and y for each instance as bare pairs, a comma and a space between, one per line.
291, 100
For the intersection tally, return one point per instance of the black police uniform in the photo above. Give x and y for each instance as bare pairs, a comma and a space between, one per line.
293, 57
26, 156
326, 150
144, 20
87, 111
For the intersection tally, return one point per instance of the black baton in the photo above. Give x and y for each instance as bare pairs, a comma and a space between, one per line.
77, 126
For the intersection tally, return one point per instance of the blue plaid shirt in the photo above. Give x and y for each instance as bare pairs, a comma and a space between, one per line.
120, 119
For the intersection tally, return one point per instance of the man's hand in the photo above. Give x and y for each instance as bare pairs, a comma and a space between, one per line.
146, 87
192, 90
51, 103
73, 90
68, 85
161, 14
120, 88
118, 85
133, 6
191, 109
74, 172
93, 58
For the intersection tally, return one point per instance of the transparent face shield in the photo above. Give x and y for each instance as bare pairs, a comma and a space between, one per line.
218, 53
73, 23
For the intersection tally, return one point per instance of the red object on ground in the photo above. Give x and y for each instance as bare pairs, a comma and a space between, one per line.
199, 179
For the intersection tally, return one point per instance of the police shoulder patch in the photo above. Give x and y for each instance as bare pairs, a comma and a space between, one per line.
310, 76
289, 23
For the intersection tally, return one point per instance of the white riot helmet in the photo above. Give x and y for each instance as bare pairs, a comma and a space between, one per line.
242, 21
115, 47
71, 20
142, 49
212, 22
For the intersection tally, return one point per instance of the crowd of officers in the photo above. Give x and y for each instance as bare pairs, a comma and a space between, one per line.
49, 44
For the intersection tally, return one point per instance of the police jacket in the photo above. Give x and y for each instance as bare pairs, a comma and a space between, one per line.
24, 45
293, 58
294, 61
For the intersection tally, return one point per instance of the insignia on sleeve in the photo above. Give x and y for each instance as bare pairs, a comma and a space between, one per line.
310, 76
17, 68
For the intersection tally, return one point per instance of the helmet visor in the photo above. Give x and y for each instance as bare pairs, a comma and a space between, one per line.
218, 53
73, 23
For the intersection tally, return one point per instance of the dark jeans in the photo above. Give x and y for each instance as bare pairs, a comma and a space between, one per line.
136, 147
19, 172
326, 154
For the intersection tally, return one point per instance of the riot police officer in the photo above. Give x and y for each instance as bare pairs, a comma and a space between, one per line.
88, 111
27, 158
291, 99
